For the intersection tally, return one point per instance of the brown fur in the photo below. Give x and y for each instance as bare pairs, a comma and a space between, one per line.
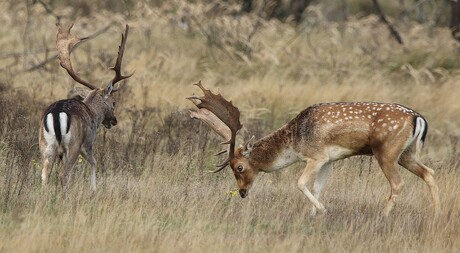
324, 133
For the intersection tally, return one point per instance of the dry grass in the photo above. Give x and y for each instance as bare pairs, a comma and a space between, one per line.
154, 194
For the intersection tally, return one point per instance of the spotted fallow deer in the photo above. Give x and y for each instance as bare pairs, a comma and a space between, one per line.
69, 127
320, 135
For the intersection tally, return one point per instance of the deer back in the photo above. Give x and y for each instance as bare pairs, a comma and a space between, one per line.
356, 127
79, 118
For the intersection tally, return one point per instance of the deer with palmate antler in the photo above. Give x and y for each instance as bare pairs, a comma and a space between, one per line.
320, 135
69, 127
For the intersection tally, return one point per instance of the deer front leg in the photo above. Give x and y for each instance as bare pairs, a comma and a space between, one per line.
313, 166
92, 161
87, 153
319, 183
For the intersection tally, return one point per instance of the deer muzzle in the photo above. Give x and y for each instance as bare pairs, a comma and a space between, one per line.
243, 193
109, 123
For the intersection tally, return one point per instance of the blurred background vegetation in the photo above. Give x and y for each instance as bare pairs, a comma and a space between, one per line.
437, 13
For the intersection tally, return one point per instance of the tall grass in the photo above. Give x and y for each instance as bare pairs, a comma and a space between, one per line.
154, 194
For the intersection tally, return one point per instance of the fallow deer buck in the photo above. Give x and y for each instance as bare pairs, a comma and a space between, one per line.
320, 135
69, 127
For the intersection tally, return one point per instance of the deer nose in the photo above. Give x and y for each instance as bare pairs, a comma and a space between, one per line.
243, 193
114, 121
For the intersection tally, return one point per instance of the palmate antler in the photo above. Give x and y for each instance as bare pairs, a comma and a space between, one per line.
65, 42
221, 116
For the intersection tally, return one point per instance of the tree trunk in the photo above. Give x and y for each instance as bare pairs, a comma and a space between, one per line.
455, 21
246, 6
297, 7
393, 31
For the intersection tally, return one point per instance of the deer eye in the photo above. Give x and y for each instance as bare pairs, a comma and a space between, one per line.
240, 168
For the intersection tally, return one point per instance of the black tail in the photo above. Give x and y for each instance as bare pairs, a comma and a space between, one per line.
57, 127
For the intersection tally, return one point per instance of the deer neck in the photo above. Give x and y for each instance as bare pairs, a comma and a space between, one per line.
96, 108
274, 151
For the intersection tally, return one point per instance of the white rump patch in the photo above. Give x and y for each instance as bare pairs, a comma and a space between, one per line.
49, 135
49, 123
63, 121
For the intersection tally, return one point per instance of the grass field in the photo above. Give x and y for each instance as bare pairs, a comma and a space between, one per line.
154, 194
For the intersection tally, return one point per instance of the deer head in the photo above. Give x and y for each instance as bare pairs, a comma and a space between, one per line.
224, 118
100, 99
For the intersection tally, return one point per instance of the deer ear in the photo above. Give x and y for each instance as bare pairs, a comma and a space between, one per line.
248, 146
109, 90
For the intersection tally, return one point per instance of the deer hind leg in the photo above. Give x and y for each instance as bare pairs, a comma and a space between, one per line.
45, 171
48, 161
411, 161
70, 158
388, 163
48, 152
313, 167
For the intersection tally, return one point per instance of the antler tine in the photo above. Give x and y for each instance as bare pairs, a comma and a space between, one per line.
221, 115
221, 166
117, 68
220, 152
65, 42
193, 99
